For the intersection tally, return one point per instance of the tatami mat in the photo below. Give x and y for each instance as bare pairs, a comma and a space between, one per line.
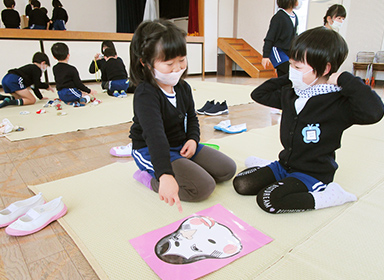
111, 111
106, 208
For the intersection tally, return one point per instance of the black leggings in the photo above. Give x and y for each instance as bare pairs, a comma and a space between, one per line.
284, 196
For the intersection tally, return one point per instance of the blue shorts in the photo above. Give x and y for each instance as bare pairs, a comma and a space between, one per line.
118, 85
69, 94
35, 26
278, 57
59, 25
12, 83
312, 184
143, 158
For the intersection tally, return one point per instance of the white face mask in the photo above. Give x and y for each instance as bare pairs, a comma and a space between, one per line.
299, 5
296, 78
336, 25
170, 79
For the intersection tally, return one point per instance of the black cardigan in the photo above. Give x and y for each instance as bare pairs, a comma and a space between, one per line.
280, 33
327, 115
158, 125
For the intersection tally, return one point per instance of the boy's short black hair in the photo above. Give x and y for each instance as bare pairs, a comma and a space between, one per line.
35, 3
44, 10
318, 47
286, 4
335, 10
109, 52
60, 51
40, 57
9, 3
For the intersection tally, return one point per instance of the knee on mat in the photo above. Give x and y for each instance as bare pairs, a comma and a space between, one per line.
226, 172
244, 182
267, 201
195, 191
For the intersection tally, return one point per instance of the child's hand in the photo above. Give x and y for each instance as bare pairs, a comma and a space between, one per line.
97, 56
51, 89
265, 62
169, 191
189, 149
333, 78
93, 92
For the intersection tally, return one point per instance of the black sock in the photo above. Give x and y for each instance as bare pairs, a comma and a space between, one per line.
2, 97
8, 101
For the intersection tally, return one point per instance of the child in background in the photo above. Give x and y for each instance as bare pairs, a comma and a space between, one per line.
335, 16
59, 16
99, 61
115, 73
17, 81
10, 16
37, 18
165, 131
317, 104
282, 30
28, 8
70, 88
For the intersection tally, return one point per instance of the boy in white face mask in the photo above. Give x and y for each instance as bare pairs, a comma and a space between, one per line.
165, 132
317, 105
334, 18
17, 81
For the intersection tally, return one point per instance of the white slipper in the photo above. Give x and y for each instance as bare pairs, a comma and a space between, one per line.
255, 161
18, 209
37, 218
235, 128
121, 151
222, 125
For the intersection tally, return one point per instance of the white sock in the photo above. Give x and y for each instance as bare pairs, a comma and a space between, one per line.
333, 195
255, 161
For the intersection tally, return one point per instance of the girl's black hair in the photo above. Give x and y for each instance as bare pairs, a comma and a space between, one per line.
318, 47
107, 44
154, 40
335, 10
56, 4
286, 4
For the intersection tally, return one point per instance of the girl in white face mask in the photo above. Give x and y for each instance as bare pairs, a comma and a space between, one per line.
334, 18
165, 132
317, 105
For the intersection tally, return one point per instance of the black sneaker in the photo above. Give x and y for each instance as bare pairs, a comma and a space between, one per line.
217, 109
207, 106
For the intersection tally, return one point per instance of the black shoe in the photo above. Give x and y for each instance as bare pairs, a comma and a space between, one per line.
208, 105
217, 109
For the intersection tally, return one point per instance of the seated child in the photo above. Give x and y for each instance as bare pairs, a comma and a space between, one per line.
68, 84
317, 105
17, 81
37, 18
99, 61
10, 16
115, 73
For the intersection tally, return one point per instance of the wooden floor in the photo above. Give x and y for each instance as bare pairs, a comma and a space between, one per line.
50, 253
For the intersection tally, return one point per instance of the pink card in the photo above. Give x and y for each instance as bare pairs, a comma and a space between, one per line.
199, 244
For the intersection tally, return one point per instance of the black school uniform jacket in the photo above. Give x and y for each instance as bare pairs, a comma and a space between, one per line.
158, 125
38, 17
280, 33
67, 76
31, 74
114, 69
10, 18
59, 13
311, 137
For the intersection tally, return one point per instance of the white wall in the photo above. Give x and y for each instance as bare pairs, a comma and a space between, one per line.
84, 15
211, 34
